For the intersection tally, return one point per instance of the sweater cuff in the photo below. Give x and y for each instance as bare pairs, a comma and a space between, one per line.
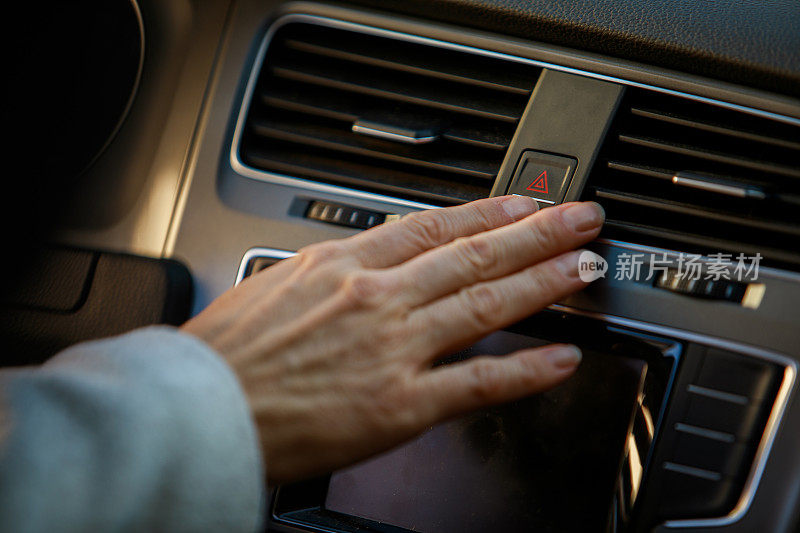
177, 446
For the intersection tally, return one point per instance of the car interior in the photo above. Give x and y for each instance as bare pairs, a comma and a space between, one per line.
175, 147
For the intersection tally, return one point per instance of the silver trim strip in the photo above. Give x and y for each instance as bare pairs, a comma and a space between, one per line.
242, 169
271, 253
770, 431
769, 271
684, 180
390, 136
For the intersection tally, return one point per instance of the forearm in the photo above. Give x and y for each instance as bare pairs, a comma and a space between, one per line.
148, 431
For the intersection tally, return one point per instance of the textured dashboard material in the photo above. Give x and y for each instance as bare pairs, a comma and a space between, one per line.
751, 42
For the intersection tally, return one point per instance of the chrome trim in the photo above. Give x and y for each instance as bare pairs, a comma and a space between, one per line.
363, 129
242, 169
271, 253
769, 271
771, 428
538, 200
686, 179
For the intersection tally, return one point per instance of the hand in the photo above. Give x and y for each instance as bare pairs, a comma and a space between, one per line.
334, 347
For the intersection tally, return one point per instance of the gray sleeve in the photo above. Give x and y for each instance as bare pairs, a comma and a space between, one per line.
149, 431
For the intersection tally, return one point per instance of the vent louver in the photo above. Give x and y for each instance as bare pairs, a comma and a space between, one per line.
694, 176
384, 115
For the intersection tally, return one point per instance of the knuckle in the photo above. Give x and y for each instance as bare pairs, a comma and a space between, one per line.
484, 305
491, 215
319, 253
478, 254
395, 406
366, 289
549, 229
529, 373
429, 227
485, 380
393, 335
544, 281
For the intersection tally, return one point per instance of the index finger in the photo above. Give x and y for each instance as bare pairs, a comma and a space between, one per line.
391, 244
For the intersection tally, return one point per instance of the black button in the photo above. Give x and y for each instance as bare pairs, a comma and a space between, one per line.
686, 494
545, 177
716, 414
736, 374
710, 453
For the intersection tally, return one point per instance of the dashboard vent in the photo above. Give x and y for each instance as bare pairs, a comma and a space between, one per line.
693, 176
382, 114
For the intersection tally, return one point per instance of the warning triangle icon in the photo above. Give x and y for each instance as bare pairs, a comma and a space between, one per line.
540, 183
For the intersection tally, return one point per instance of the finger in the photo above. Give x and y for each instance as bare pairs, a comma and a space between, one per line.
499, 252
390, 244
461, 318
450, 390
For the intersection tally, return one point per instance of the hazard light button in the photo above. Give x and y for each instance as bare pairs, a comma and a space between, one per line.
545, 177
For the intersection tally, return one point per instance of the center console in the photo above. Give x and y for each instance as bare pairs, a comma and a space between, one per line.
683, 414
712, 406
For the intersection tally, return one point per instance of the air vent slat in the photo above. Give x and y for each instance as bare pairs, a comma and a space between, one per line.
412, 65
694, 176
688, 209
380, 112
659, 173
289, 104
487, 138
472, 138
761, 166
362, 176
704, 243
294, 134
381, 89
715, 128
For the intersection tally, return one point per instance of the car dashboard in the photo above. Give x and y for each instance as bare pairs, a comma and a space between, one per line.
260, 127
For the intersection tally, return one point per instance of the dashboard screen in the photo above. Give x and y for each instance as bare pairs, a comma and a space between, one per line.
504, 468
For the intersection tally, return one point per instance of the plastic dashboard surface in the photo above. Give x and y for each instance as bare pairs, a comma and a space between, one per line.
752, 43
223, 213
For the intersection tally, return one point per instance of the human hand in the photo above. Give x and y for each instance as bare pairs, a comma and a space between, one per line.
334, 347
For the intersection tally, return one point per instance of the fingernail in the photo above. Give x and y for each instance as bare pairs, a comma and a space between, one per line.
518, 207
584, 216
565, 356
567, 264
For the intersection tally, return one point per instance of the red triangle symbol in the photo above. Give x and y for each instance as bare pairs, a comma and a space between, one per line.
540, 183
